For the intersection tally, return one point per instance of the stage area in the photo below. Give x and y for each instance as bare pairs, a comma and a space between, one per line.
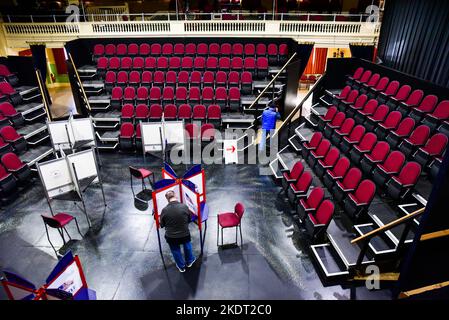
120, 253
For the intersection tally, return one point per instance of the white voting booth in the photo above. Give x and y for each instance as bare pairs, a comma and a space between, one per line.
159, 136
66, 178
72, 134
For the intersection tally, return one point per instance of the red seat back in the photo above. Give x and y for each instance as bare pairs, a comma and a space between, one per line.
323, 147
9, 133
442, 110
405, 127
170, 111
436, 144
415, 98
420, 135
315, 140
304, 182
392, 88
330, 113
357, 73
409, 173
297, 170
394, 161
368, 141
403, 93
380, 151
392, 120
127, 130
382, 84
315, 197
352, 178
341, 167
239, 210
428, 103
365, 191
127, 111
324, 212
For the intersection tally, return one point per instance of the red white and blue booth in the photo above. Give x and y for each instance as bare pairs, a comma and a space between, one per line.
65, 282
190, 190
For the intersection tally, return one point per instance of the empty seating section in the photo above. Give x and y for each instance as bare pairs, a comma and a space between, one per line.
212, 73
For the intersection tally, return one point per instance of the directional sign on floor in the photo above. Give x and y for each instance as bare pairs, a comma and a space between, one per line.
230, 153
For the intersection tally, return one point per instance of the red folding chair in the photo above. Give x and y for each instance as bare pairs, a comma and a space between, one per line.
231, 220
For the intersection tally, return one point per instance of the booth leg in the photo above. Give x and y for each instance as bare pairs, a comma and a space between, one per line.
201, 241
70, 238
218, 232
241, 238
160, 248
85, 213
102, 192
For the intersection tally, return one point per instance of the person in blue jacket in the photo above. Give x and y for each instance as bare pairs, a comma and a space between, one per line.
269, 117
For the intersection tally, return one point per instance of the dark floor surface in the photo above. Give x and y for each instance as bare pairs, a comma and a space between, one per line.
120, 253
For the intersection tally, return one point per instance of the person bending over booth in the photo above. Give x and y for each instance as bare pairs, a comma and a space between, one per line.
175, 218
269, 117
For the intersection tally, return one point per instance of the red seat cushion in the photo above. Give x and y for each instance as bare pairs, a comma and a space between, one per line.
228, 219
63, 218
145, 173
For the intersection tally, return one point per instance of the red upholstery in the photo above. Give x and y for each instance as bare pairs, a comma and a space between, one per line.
144, 49
126, 63
323, 214
346, 127
351, 96
344, 93
199, 112
9, 134
428, 104
147, 78
127, 130
134, 78
142, 111
405, 127
207, 132
185, 112
330, 114
7, 109
372, 82
393, 163
295, 173
340, 168
213, 112
337, 121
156, 49
167, 49
441, 112
194, 95
155, 94
392, 88
181, 94
228, 220
150, 63
322, 149
303, 183
369, 108
367, 143
156, 111
127, 111
392, 120
380, 114
403, 93
313, 200
409, 174
12, 162
365, 76
364, 193
357, 73
382, 84
351, 179
145, 173
98, 50
436, 144
331, 158
414, 98
63, 218
170, 112
356, 134
121, 49
379, 152
419, 136
192, 131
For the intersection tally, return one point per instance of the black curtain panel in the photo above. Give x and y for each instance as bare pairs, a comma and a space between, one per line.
303, 52
362, 51
39, 58
414, 38
40, 63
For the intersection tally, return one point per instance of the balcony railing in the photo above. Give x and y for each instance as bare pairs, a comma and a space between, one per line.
326, 30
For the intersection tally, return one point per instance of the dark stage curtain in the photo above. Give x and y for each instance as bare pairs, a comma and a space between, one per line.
362, 51
40, 63
303, 52
414, 38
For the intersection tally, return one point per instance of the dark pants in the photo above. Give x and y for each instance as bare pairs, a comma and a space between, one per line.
177, 254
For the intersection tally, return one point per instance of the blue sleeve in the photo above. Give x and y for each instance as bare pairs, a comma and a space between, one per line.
278, 115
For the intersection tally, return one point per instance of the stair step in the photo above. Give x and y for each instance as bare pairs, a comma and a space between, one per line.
327, 101
106, 125
108, 136
304, 133
380, 245
318, 110
37, 139
35, 115
329, 261
347, 251
34, 155
109, 145
287, 158
295, 142
275, 168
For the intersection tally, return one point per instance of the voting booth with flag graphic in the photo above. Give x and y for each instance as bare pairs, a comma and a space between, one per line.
65, 282
190, 189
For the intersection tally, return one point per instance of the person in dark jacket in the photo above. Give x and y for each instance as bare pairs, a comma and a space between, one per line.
175, 218
269, 117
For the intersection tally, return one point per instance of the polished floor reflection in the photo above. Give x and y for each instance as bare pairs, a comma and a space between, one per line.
120, 252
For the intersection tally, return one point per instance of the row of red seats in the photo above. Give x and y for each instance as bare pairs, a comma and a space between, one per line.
7, 75
183, 79
207, 95
10, 140
313, 211
190, 49
13, 172
257, 66
411, 141
10, 116
400, 98
8, 93
171, 112
130, 137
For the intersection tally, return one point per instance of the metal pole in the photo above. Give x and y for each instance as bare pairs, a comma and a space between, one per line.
81, 196
160, 247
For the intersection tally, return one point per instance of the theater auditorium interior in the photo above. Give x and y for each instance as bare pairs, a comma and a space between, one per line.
107, 105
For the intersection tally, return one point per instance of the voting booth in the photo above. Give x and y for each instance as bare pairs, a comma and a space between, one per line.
65, 282
158, 137
72, 134
66, 178
190, 190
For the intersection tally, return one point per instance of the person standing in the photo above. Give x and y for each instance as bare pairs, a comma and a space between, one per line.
269, 117
175, 218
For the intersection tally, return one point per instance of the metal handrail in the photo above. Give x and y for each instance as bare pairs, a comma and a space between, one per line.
272, 80
198, 16
299, 106
80, 83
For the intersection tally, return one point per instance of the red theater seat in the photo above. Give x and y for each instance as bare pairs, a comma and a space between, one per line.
382, 172
399, 186
356, 204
